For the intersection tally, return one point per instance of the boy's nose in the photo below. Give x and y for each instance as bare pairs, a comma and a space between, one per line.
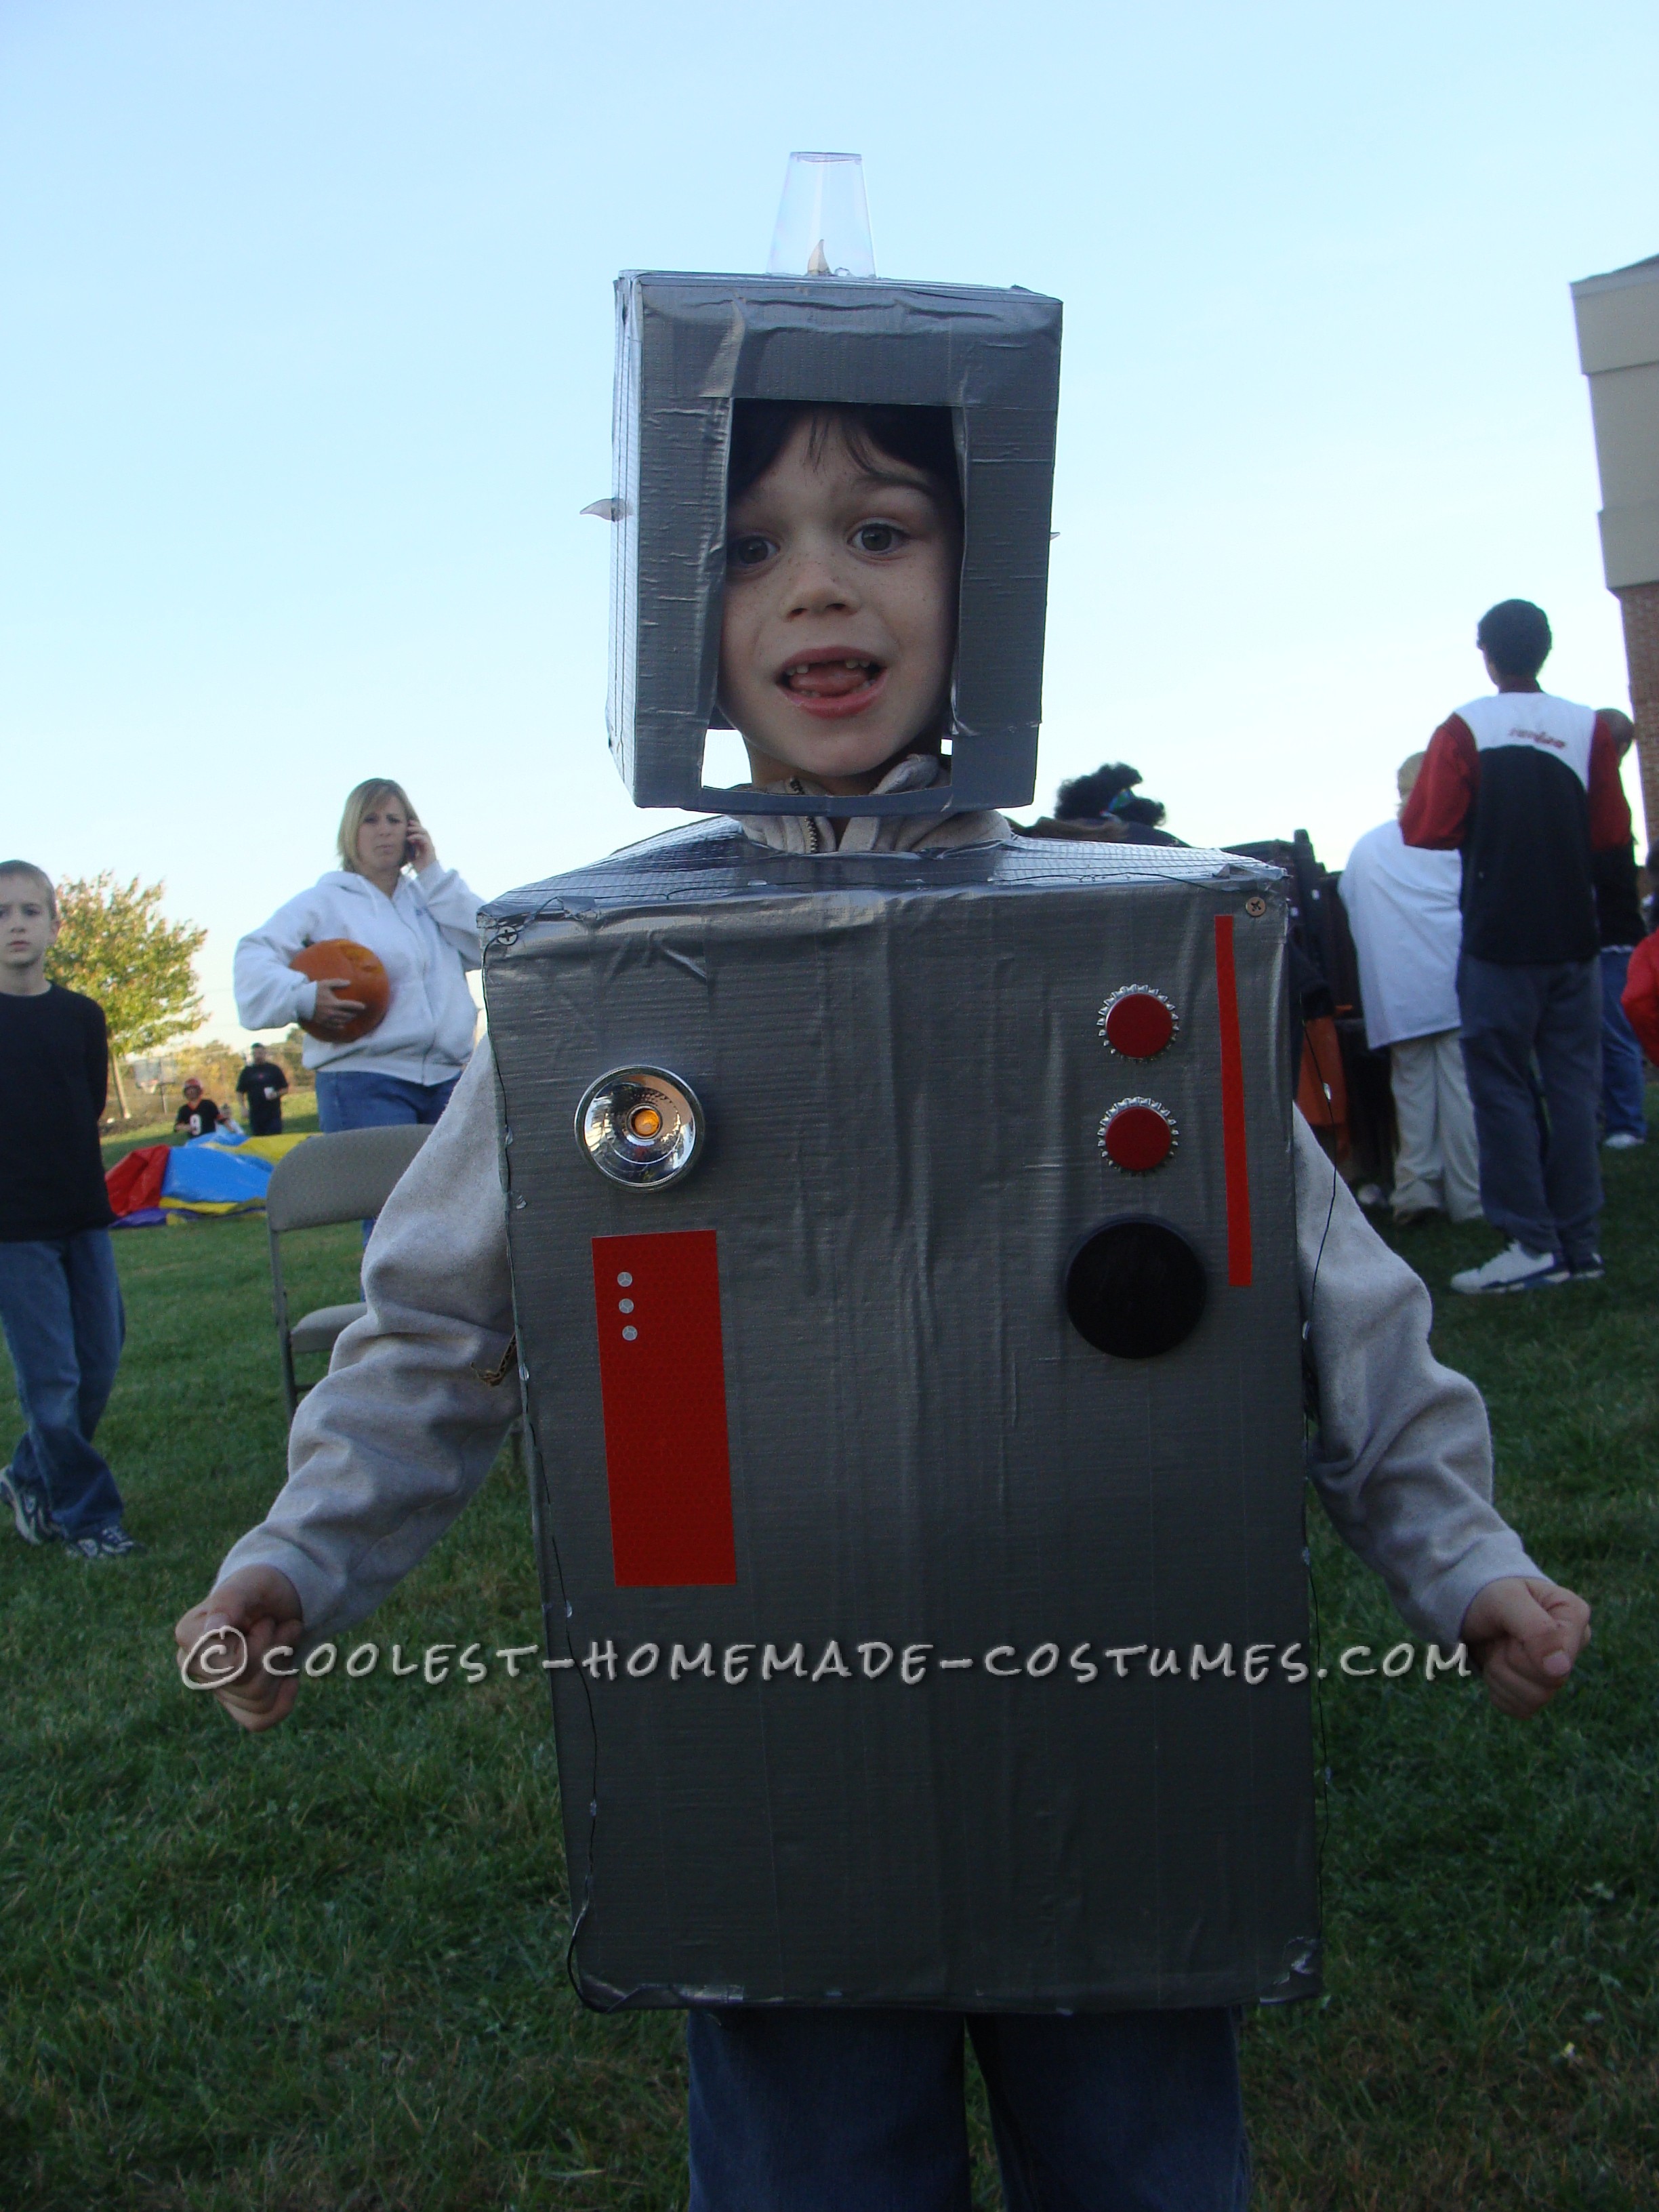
817, 585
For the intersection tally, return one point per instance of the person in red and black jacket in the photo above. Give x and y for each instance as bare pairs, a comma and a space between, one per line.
1526, 785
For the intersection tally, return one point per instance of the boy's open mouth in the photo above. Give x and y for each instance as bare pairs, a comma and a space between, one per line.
830, 683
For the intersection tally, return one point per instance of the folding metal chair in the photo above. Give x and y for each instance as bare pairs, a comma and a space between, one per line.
345, 1177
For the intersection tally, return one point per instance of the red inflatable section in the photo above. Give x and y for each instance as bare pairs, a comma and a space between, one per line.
134, 1182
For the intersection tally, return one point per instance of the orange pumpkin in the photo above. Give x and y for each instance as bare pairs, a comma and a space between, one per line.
367, 980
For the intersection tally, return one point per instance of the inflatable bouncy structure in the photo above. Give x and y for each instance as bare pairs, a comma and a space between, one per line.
215, 1174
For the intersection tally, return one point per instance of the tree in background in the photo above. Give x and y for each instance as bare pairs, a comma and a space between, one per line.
117, 946
288, 1049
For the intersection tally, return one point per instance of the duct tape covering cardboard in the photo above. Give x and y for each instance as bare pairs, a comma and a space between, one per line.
686, 348
840, 1513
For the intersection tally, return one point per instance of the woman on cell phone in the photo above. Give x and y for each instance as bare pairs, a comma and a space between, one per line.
421, 921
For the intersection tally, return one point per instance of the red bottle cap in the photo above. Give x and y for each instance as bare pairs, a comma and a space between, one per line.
1137, 1022
1137, 1135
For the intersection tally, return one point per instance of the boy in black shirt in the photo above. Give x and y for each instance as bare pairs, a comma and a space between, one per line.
262, 1083
60, 1302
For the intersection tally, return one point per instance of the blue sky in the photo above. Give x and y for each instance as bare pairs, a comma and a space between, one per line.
307, 364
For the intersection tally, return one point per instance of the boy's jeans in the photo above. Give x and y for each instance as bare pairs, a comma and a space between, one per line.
1548, 1196
60, 1301
1624, 1074
862, 2112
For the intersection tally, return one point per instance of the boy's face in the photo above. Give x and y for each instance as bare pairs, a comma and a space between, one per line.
27, 927
840, 614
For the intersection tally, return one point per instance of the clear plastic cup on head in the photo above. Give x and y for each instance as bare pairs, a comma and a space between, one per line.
824, 219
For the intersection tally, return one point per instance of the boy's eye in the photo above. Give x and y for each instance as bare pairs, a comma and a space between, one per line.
747, 552
877, 537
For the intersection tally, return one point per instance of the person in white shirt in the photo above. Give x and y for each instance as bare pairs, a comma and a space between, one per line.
388, 893
1402, 907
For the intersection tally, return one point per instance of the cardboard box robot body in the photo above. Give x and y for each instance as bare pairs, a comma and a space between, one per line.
915, 1413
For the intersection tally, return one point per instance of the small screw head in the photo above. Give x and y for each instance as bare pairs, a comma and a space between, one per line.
1255, 906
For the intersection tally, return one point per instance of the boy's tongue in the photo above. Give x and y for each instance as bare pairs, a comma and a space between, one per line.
828, 679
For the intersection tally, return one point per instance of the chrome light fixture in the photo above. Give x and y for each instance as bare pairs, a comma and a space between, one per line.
641, 1127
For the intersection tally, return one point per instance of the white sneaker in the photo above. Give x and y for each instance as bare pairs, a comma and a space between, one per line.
1514, 1269
1622, 1141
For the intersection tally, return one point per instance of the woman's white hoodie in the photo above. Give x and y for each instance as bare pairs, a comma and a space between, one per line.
426, 935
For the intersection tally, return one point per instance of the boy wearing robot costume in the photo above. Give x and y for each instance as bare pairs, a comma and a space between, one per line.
909, 1256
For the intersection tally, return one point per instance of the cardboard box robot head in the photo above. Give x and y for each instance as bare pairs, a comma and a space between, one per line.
688, 347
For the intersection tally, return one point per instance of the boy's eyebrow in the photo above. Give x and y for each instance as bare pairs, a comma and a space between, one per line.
917, 481
885, 479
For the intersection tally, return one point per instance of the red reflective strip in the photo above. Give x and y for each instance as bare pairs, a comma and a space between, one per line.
1233, 1156
663, 1389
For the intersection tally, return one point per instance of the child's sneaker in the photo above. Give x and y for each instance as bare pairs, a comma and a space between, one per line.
111, 1543
29, 1509
1622, 1141
1514, 1269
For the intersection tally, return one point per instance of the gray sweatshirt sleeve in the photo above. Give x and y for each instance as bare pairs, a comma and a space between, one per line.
400, 1433
270, 993
1402, 1459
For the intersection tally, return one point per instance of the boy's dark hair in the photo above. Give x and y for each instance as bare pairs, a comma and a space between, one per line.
1092, 798
1515, 636
36, 875
921, 438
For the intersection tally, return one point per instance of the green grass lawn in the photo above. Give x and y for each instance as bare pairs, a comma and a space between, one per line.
323, 1968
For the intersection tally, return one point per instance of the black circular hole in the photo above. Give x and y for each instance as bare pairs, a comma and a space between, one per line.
1135, 1288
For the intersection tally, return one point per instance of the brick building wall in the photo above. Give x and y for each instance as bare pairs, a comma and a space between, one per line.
1639, 603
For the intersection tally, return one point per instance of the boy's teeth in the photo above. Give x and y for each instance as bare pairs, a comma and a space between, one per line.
830, 679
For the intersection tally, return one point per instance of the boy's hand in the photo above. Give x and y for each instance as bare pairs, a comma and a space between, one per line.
222, 1641
1525, 1636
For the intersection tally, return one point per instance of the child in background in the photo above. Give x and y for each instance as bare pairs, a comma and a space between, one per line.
60, 1301
838, 637
198, 1116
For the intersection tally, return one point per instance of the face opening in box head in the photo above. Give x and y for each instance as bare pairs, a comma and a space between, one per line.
839, 605
769, 432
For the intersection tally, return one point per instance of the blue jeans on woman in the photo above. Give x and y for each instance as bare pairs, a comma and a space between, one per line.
363, 1101
862, 2112
60, 1303
348, 1100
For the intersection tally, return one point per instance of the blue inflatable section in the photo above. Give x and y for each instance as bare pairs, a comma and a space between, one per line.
214, 1171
